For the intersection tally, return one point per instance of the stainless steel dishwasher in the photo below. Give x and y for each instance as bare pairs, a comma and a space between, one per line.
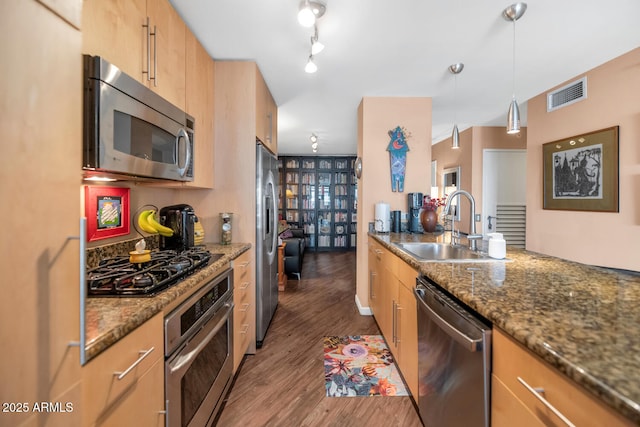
454, 361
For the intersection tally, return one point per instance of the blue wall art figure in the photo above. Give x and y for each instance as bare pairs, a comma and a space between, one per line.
397, 149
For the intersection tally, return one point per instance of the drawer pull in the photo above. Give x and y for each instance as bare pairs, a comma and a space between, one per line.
537, 392
143, 355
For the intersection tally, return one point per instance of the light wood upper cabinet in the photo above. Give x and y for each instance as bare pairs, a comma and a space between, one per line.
266, 115
155, 55
167, 52
199, 103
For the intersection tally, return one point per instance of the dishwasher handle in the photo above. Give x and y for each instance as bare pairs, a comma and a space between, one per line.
470, 343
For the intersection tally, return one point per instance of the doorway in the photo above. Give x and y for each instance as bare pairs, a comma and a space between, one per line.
504, 186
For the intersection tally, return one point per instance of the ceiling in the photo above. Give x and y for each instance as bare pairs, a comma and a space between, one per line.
404, 48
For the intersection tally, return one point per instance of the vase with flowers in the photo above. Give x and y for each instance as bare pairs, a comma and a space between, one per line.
429, 214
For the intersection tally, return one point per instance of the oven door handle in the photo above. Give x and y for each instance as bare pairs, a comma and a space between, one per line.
183, 361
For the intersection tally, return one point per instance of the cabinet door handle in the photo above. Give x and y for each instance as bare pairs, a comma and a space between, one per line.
398, 309
155, 56
372, 276
537, 393
143, 355
82, 341
148, 27
393, 322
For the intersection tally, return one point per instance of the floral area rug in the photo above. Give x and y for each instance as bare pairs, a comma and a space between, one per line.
360, 365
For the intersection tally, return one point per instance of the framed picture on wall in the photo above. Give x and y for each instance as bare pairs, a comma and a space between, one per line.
581, 172
107, 211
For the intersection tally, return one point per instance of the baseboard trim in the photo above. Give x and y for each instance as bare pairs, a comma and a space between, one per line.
364, 311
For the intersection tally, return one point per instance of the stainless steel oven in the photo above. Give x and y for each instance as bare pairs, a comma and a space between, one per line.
199, 354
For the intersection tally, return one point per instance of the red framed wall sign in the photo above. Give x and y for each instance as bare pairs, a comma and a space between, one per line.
107, 211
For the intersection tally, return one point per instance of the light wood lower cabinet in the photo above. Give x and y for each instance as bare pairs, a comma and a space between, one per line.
126, 382
513, 404
391, 283
376, 288
244, 311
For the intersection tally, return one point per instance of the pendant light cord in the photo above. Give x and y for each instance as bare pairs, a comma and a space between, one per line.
455, 99
514, 60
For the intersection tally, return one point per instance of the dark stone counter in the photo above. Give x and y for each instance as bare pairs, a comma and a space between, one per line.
582, 320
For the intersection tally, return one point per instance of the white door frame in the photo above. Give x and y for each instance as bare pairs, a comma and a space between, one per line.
489, 174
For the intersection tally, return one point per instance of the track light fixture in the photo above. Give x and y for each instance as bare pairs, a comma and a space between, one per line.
309, 11
513, 13
455, 69
314, 142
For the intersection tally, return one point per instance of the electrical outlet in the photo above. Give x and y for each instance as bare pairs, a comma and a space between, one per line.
478, 217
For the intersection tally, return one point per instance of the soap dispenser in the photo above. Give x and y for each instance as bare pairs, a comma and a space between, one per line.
497, 246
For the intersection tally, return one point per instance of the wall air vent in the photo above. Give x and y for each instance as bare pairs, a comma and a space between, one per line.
567, 95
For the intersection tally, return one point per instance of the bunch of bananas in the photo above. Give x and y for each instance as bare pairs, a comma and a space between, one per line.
147, 222
198, 233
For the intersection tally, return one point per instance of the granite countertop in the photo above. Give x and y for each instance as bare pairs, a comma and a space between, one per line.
583, 320
109, 319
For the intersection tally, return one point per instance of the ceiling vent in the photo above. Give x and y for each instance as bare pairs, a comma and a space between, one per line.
567, 95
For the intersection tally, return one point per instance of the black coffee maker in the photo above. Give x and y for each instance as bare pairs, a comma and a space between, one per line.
415, 205
181, 219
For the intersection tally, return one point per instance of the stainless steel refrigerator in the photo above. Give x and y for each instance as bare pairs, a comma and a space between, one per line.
266, 240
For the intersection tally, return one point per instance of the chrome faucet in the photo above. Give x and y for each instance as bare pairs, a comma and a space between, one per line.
472, 236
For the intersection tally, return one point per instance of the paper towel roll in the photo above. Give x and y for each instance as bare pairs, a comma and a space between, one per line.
382, 218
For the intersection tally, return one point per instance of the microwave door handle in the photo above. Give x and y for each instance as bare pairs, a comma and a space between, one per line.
183, 134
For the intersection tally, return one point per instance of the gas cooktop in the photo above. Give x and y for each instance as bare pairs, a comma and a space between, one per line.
118, 277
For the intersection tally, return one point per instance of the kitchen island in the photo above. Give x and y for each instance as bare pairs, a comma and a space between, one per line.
582, 320
109, 319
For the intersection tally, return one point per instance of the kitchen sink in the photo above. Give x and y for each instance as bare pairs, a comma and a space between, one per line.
442, 252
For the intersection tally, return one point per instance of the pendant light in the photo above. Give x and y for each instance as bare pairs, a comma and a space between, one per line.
455, 69
316, 46
311, 66
513, 13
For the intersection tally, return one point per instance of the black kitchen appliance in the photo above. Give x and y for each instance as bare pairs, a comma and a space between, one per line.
181, 219
415, 205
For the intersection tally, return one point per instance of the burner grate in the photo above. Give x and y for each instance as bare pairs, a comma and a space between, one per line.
118, 277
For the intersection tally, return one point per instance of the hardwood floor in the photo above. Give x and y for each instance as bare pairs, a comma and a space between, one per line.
283, 384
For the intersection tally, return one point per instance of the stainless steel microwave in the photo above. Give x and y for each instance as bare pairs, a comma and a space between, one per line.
130, 130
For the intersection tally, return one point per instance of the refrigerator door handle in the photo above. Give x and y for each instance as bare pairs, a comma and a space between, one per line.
270, 218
